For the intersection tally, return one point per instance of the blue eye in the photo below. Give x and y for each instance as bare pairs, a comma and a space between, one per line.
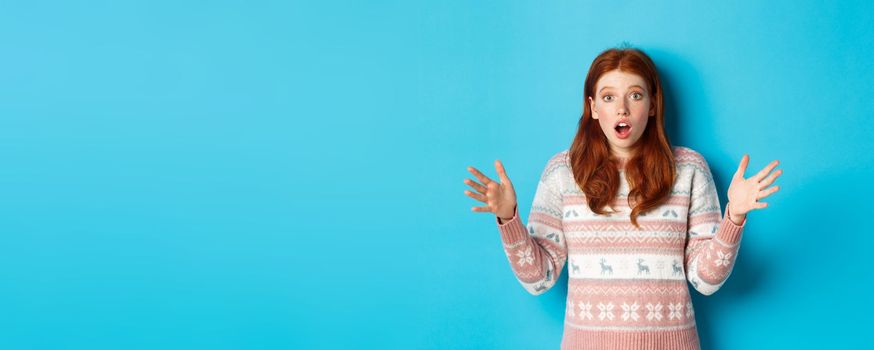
637, 95
608, 96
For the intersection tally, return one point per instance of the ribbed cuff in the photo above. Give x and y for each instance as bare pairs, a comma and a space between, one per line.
729, 232
512, 231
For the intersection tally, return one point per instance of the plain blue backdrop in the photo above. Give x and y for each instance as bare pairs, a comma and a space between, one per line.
269, 175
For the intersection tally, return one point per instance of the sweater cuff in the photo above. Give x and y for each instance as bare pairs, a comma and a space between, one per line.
512, 231
729, 232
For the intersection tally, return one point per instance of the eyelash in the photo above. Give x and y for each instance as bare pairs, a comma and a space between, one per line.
634, 93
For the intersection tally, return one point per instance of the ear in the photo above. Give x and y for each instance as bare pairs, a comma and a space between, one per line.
592, 107
652, 110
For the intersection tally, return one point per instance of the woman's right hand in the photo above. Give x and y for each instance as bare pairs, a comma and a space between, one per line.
499, 197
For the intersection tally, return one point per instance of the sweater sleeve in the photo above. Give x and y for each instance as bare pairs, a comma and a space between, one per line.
713, 240
537, 254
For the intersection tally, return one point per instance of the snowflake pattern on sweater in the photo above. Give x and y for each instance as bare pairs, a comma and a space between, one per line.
627, 286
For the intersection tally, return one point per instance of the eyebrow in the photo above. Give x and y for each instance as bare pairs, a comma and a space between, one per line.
637, 86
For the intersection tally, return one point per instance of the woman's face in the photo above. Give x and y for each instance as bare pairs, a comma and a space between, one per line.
622, 98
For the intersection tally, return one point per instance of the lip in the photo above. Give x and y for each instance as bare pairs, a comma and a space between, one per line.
623, 120
627, 133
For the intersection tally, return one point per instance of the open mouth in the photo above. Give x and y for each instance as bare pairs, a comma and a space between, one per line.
623, 129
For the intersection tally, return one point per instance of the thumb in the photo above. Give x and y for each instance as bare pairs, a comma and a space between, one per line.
742, 168
502, 173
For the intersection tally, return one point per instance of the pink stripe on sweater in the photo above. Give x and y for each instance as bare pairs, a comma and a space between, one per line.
585, 288
545, 219
705, 218
632, 247
622, 202
645, 226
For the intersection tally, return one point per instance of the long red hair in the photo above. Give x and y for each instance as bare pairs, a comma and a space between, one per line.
650, 171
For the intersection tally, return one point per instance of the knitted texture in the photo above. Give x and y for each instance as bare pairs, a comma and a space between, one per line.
627, 286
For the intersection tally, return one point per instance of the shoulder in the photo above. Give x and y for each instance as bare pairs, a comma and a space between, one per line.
556, 166
686, 157
558, 161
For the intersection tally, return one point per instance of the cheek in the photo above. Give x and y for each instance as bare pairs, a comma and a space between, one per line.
643, 123
643, 107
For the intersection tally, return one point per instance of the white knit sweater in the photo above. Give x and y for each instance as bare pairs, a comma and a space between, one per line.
627, 287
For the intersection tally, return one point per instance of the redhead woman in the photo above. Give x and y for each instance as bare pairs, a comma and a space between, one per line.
632, 216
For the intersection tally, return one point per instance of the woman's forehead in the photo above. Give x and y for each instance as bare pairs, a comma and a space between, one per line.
619, 80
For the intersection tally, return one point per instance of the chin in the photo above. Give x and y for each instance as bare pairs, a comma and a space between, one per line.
627, 143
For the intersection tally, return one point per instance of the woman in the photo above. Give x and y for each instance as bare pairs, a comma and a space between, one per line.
629, 265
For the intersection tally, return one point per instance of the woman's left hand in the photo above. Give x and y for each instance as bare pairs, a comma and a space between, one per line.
744, 194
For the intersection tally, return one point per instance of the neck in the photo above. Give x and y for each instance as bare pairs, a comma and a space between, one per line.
622, 159
622, 156
623, 152
621, 162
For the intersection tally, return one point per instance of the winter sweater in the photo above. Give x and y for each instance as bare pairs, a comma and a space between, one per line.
626, 286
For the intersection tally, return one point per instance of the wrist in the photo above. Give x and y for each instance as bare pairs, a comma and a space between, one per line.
511, 216
736, 219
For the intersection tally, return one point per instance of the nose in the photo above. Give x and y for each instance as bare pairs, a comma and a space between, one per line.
621, 109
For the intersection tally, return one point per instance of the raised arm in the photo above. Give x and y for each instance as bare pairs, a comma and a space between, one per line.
714, 239
537, 253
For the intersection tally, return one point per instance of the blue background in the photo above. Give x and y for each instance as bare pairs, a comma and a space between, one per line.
289, 175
